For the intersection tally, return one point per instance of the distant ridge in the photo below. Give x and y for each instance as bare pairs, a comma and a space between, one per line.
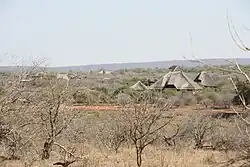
156, 64
117, 66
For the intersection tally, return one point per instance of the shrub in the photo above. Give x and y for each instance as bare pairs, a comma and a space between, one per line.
206, 102
176, 100
244, 91
213, 96
118, 91
188, 99
201, 130
170, 92
123, 99
112, 134
85, 96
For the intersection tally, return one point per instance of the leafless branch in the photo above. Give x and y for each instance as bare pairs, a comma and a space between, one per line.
240, 116
245, 27
236, 37
62, 147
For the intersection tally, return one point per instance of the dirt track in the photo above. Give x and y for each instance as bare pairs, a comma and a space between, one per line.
115, 108
95, 108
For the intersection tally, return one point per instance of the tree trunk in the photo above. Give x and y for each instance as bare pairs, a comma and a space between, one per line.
198, 144
46, 150
139, 157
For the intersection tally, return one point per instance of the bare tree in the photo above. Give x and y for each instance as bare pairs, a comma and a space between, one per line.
113, 134
54, 118
144, 123
202, 128
69, 157
15, 111
170, 140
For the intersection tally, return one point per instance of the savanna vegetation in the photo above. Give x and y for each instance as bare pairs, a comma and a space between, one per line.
40, 127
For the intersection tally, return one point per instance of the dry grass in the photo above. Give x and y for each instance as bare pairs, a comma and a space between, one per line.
153, 157
92, 130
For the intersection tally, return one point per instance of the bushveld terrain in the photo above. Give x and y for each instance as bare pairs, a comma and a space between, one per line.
96, 120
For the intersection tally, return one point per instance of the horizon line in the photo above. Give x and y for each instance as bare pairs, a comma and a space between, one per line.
151, 61
115, 63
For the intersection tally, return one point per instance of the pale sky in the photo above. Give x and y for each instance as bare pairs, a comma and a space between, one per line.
79, 32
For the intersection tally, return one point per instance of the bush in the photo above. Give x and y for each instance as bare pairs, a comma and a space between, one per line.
206, 102
227, 99
152, 97
112, 134
102, 90
85, 96
213, 96
244, 91
188, 99
170, 92
183, 99
123, 99
202, 129
118, 91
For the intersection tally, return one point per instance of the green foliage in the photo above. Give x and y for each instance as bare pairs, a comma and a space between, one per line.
212, 96
244, 91
85, 96
170, 92
208, 93
118, 91
4, 73
129, 82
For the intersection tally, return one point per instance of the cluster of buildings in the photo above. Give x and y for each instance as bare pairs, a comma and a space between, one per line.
180, 81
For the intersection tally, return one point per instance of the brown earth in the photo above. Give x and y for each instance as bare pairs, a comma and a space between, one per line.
180, 109
95, 108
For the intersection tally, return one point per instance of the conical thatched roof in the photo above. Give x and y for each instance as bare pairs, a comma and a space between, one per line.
173, 67
205, 79
139, 86
103, 71
175, 79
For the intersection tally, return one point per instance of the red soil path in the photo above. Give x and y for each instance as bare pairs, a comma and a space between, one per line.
95, 108
115, 108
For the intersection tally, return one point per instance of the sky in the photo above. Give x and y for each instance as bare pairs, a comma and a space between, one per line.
80, 32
